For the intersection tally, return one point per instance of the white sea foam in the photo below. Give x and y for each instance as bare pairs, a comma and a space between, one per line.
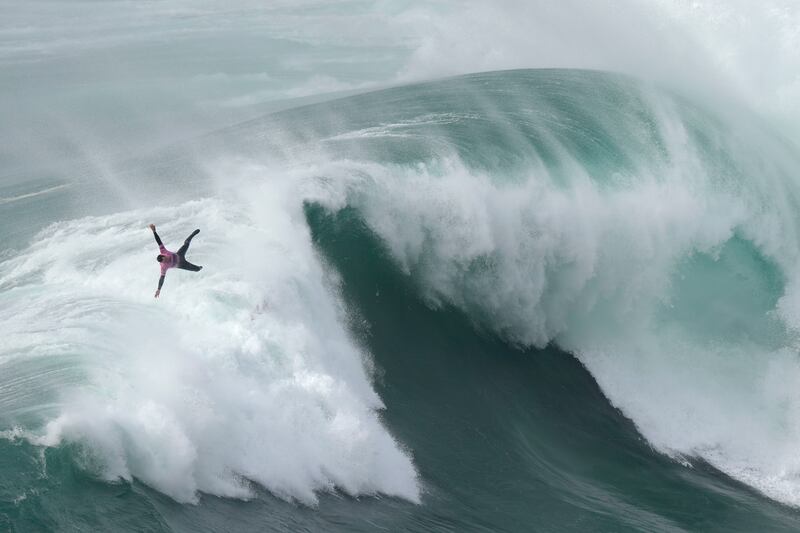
241, 373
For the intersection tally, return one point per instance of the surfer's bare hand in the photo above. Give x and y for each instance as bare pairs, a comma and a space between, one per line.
152, 227
158, 291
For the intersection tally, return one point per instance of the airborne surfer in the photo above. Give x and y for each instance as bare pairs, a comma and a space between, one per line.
173, 259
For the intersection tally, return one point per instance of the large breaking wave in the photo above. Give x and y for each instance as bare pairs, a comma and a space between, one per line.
653, 239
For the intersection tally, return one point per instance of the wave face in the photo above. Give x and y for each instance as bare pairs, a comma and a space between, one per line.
444, 246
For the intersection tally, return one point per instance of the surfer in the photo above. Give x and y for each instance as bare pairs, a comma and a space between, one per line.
173, 259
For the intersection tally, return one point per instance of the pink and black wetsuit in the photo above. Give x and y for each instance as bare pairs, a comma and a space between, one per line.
175, 259
170, 259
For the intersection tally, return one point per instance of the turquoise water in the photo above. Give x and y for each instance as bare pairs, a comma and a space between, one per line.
534, 299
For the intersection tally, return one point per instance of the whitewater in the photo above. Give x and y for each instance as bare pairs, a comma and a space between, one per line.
461, 271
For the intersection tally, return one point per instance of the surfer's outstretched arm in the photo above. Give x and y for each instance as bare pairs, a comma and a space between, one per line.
160, 283
158, 239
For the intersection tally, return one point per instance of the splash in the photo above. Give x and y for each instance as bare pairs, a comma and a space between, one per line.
243, 374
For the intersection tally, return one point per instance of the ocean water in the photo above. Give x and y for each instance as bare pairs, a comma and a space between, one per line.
466, 268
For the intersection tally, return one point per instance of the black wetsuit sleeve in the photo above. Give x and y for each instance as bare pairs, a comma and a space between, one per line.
158, 239
160, 282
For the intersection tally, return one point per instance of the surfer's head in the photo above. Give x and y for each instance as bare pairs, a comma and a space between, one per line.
159, 258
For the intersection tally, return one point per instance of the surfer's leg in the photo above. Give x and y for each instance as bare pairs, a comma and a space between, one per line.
186, 265
187, 242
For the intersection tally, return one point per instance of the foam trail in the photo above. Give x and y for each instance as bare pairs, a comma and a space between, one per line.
10, 199
241, 373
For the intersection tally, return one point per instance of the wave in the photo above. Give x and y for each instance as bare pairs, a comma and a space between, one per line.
651, 238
